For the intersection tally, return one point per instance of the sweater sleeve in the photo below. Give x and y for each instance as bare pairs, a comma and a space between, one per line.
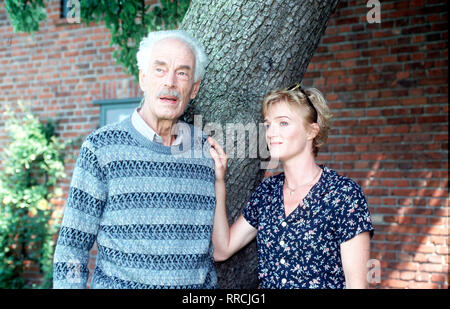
84, 207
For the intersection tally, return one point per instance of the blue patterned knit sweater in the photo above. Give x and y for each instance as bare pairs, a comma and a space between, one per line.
149, 207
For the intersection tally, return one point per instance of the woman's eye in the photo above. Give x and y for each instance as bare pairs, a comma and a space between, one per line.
283, 123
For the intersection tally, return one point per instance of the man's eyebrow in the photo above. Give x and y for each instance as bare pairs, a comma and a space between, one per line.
184, 67
159, 62
181, 67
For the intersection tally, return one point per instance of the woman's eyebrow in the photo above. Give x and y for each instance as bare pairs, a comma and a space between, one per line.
265, 119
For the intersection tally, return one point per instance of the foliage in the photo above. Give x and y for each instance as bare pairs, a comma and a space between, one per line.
127, 20
130, 21
31, 166
26, 14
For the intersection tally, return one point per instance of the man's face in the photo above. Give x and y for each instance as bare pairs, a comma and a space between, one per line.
168, 84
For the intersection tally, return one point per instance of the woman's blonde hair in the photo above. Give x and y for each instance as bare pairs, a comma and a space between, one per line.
298, 99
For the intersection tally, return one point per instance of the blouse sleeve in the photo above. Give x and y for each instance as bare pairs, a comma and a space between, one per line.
353, 216
251, 210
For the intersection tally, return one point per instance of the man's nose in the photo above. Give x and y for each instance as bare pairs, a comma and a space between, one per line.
169, 80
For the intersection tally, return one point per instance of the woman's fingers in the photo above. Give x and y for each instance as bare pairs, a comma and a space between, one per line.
216, 149
219, 157
216, 146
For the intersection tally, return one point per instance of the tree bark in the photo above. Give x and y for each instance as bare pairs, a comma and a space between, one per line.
253, 46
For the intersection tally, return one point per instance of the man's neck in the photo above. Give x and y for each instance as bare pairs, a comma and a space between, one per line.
162, 127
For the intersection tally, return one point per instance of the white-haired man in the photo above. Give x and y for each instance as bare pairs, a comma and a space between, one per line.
139, 187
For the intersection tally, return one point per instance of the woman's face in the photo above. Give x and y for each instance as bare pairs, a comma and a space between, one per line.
286, 134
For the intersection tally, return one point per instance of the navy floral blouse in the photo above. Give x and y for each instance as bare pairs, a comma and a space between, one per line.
302, 251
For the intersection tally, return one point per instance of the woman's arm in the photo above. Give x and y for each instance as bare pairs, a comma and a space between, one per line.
226, 240
355, 254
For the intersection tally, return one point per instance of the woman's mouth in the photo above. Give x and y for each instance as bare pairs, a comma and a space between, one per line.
275, 143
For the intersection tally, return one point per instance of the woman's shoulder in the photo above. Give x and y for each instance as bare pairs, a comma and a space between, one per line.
271, 182
340, 183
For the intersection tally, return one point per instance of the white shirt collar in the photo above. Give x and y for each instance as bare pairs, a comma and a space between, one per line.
142, 127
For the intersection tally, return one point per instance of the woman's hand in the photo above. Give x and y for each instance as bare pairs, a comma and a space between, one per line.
226, 240
220, 159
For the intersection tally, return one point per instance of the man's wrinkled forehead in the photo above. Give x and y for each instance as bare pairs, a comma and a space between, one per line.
173, 46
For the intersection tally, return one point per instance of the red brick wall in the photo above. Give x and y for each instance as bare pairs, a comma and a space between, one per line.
386, 85
60, 70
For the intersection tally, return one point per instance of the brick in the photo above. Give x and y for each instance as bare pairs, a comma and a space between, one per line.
432, 119
420, 220
435, 259
420, 257
431, 268
407, 275
439, 277
422, 285
414, 101
396, 284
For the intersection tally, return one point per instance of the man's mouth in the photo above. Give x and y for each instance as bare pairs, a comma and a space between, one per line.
169, 99
169, 96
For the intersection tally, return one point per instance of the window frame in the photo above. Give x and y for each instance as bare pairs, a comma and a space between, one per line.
114, 104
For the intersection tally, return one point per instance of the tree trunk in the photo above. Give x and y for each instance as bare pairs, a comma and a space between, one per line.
253, 46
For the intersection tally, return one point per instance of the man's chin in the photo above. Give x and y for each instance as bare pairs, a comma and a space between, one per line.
168, 116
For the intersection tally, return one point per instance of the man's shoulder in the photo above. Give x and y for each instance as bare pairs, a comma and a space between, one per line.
111, 127
113, 133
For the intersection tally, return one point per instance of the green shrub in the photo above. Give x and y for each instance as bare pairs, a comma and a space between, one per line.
32, 164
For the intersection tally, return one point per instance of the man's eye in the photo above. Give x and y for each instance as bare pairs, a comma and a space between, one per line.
283, 123
267, 125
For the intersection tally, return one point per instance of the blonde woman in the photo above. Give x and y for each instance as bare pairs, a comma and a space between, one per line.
312, 225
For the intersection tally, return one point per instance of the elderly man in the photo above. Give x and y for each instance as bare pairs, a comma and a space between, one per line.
139, 187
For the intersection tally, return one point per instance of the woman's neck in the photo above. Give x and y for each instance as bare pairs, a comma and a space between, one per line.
300, 170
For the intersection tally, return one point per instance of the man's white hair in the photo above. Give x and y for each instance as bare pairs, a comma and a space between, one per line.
146, 45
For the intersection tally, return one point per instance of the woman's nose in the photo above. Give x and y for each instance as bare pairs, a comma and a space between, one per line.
271, 131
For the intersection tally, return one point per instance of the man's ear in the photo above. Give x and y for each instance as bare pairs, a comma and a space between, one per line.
142, 83
195, 89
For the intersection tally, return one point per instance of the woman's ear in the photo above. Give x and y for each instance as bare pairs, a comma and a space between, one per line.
313, 131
